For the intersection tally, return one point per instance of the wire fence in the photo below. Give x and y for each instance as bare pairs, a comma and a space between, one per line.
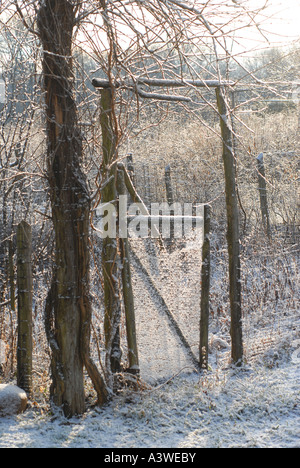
167, 284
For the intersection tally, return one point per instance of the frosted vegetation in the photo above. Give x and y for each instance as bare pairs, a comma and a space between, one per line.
257, 406
173, 404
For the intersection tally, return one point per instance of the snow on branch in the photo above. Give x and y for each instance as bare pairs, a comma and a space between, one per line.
162, 83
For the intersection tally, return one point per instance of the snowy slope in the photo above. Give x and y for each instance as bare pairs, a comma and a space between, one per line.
256, 406
244, 408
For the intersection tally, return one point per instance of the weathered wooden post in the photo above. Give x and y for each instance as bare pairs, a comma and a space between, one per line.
110, 256
233, 238
170, 198
130, 167
131, 173
263, 194
205, 289
169, 189
127, 283
147, 186
11, 275
25, 284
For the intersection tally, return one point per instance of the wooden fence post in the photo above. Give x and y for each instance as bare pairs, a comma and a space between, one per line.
110, 263
127, 287
170, 197
169, 189
131, 173
25, 284
263, 194
205, 290
233, 238
11, 275
130, 167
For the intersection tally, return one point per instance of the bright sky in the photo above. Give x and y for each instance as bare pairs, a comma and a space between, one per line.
278, 25
283, 20
286, 22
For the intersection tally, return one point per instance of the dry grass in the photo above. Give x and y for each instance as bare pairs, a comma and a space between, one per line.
195, 155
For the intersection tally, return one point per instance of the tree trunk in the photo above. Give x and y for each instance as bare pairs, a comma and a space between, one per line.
233, 230
67, 312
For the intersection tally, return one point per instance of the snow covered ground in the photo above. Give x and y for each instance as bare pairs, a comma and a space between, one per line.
256, 406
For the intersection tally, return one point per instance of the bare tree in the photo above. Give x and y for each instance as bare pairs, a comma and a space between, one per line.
68, 310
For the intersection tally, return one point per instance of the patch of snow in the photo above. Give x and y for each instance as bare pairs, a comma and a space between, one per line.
13, 400
254, 407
